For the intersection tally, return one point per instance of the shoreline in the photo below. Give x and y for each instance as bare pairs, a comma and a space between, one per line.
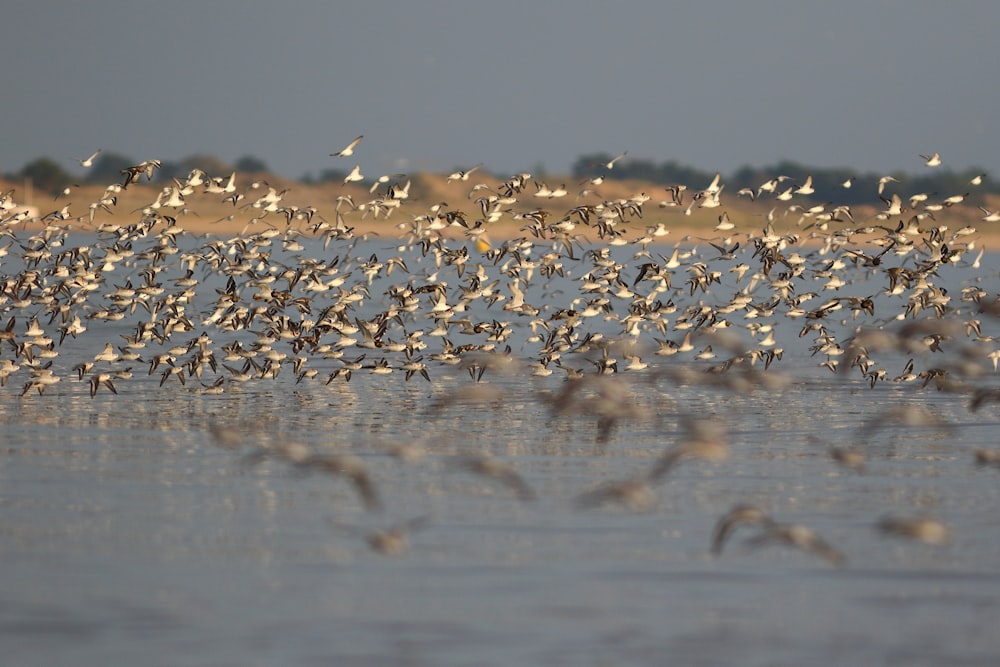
311, 209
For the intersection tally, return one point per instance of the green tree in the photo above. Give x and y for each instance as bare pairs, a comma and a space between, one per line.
209, 164
249, 164
590, 165
46, 174
169, 169
329, 176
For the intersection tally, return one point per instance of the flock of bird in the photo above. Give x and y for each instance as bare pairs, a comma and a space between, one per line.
592, 293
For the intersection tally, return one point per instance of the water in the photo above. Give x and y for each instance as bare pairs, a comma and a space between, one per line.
128, 536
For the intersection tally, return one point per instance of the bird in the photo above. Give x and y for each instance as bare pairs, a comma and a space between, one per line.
99, 379
848, 457
89, 161
270, 299
349, 149
226, 436
345, 465
991, 216
794, 535
487, 466
634, 493
724, 224
611, 163
917, 528
394, 540
740, 514
463, 175
987, 458
932, 160
355, 175
390, 541
704, 439
806, 188
800, 537
882, 182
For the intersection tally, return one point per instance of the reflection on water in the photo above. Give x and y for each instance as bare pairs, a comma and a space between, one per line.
125, 528
126, 532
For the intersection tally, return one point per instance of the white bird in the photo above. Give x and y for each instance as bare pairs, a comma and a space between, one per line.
895, 205
355, 175
724, 224
385, 178
220, 185
807, 187
714, 187
882, 182
463, 175
611, 164
349, 150
786, 195
89, 162
931, 160
991, 216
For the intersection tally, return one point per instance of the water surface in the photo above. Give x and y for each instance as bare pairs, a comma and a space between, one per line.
129, 536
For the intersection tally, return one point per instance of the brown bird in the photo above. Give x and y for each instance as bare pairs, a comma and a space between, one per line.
394, 540
917, 528
390, 541
740, 514
987, 457
635, 493
705, 439
344, 465
772, 532
800, 537
849, 457
227, 438
487, 466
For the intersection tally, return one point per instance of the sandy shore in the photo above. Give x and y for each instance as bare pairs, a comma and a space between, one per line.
303, 207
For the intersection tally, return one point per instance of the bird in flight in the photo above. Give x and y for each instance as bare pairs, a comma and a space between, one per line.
611, 165
931, 160
463, 175
355, 175
89, 162
349, 150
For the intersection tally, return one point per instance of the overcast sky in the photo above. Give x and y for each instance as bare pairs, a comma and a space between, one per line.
435, 85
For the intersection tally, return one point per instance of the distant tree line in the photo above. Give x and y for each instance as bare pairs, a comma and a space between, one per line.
48, 175
828, 183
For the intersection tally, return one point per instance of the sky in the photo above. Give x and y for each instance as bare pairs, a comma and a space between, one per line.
438, 85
